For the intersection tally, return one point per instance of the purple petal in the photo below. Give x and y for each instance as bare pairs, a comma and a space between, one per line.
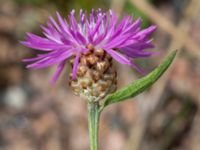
36, 38
124, 60
55, 24
75, 66
63, 24
99, 22
135, 26
138, 46
58, 72
82, 17
138, 54
143, 34
73, 20
81, 38
43, 46
92, 16
118, 57
49, 60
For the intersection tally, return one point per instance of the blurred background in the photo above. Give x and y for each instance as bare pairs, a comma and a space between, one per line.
37, 116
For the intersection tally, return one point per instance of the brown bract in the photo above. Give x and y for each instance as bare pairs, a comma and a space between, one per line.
96, 76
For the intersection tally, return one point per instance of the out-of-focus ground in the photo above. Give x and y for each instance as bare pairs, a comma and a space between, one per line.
37, 116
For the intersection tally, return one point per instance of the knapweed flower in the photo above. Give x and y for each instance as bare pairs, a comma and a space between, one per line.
90, 42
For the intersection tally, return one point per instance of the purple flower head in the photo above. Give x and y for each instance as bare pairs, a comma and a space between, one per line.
122, 40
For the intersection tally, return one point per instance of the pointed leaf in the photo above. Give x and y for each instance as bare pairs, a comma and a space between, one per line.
139, 85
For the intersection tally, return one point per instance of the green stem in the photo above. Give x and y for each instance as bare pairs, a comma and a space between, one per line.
93, 123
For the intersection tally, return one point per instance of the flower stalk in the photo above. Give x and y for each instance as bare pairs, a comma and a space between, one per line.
93, 124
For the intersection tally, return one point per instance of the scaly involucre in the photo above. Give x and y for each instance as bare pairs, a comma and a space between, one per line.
123, 40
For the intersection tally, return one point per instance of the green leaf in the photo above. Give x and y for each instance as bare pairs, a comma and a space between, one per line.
139, 85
